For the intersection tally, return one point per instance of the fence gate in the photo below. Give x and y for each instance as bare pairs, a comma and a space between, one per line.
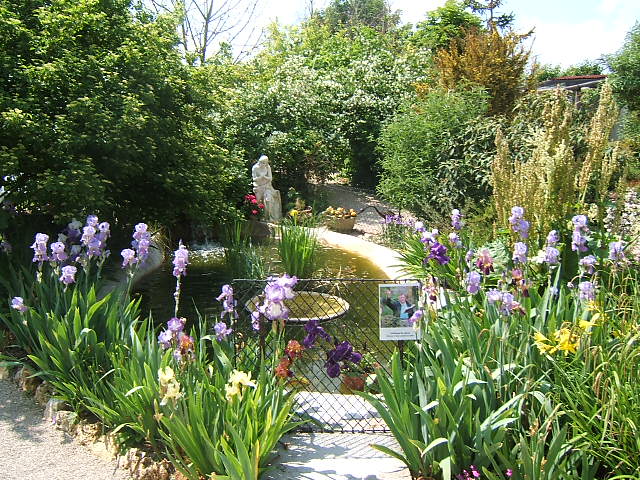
326, 400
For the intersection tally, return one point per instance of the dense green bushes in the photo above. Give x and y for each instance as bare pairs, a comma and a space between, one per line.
430, 160
100, 115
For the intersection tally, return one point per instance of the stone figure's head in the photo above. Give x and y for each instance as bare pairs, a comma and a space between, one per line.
263, 160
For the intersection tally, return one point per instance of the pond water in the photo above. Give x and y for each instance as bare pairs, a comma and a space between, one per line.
206, 275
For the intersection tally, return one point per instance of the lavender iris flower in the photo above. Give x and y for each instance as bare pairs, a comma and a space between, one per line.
17, 303
473, 282
455, 240
588, 263
552, 238
518, 223
88, 233
616, 251
587, 291
68, 274
416, 317
578, 239
176, 325
551, 255
57, 252
180, 261
456, 219
128, 257
520, 252
92, 221
40, 248
221, 330
165, 338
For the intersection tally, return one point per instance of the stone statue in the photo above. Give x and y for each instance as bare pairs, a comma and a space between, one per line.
264, 191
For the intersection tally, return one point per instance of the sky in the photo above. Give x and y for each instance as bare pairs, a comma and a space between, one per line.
566, 32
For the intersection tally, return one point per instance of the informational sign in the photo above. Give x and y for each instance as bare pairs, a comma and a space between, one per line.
397, 304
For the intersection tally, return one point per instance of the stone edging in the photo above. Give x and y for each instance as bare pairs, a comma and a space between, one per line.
137, 462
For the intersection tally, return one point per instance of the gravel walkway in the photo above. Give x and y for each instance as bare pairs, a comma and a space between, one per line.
368, 223
31, 449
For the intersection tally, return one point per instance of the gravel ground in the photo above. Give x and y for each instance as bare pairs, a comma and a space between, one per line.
32, 449
369, 222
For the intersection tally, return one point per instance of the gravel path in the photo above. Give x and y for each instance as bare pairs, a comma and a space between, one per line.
368, 223
32, 449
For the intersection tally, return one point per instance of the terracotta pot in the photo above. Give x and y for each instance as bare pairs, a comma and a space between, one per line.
352, 383
341, 224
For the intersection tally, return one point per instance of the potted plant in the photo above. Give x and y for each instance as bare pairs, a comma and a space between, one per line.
358, 377
340, 219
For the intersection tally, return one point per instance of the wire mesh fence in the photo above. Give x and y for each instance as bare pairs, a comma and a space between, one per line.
347, 309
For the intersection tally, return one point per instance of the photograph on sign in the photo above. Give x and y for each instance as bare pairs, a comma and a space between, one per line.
397, 304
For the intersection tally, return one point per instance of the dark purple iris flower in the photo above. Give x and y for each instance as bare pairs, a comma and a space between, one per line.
314, 330
342, 352
439, 253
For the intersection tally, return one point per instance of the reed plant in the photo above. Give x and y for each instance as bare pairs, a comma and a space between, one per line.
298, 249
241, 258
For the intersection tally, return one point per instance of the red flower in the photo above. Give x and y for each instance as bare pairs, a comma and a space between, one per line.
253, 200
261, 205
255, 212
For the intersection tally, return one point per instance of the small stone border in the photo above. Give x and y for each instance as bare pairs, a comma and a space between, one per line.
140, 464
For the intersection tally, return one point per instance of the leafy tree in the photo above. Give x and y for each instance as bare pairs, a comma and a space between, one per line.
99, 114
496, 62
433, 153
488, 9
587, 67
445, 24
359, 77
625, 65
376, 14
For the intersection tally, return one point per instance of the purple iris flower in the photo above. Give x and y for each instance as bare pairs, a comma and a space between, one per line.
416, 317
40, 248
494, 295
314, 330
221, 330
17, 303
180, 261
176, 325
68, 274
92, 221
439, 253
587, 291
342, 352
551, 255
473, 282
520, 252
552, 238
165, 338
588, 263
616, 251
419, 226
57, 252
518, 223
88, 233
456, 219
128, 257
455, 240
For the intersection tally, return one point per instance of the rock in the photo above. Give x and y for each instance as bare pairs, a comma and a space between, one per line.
5, 373
43, 393
65, 421
52, 407
26, 381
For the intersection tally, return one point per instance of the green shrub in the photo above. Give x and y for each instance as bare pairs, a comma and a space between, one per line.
426, 168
